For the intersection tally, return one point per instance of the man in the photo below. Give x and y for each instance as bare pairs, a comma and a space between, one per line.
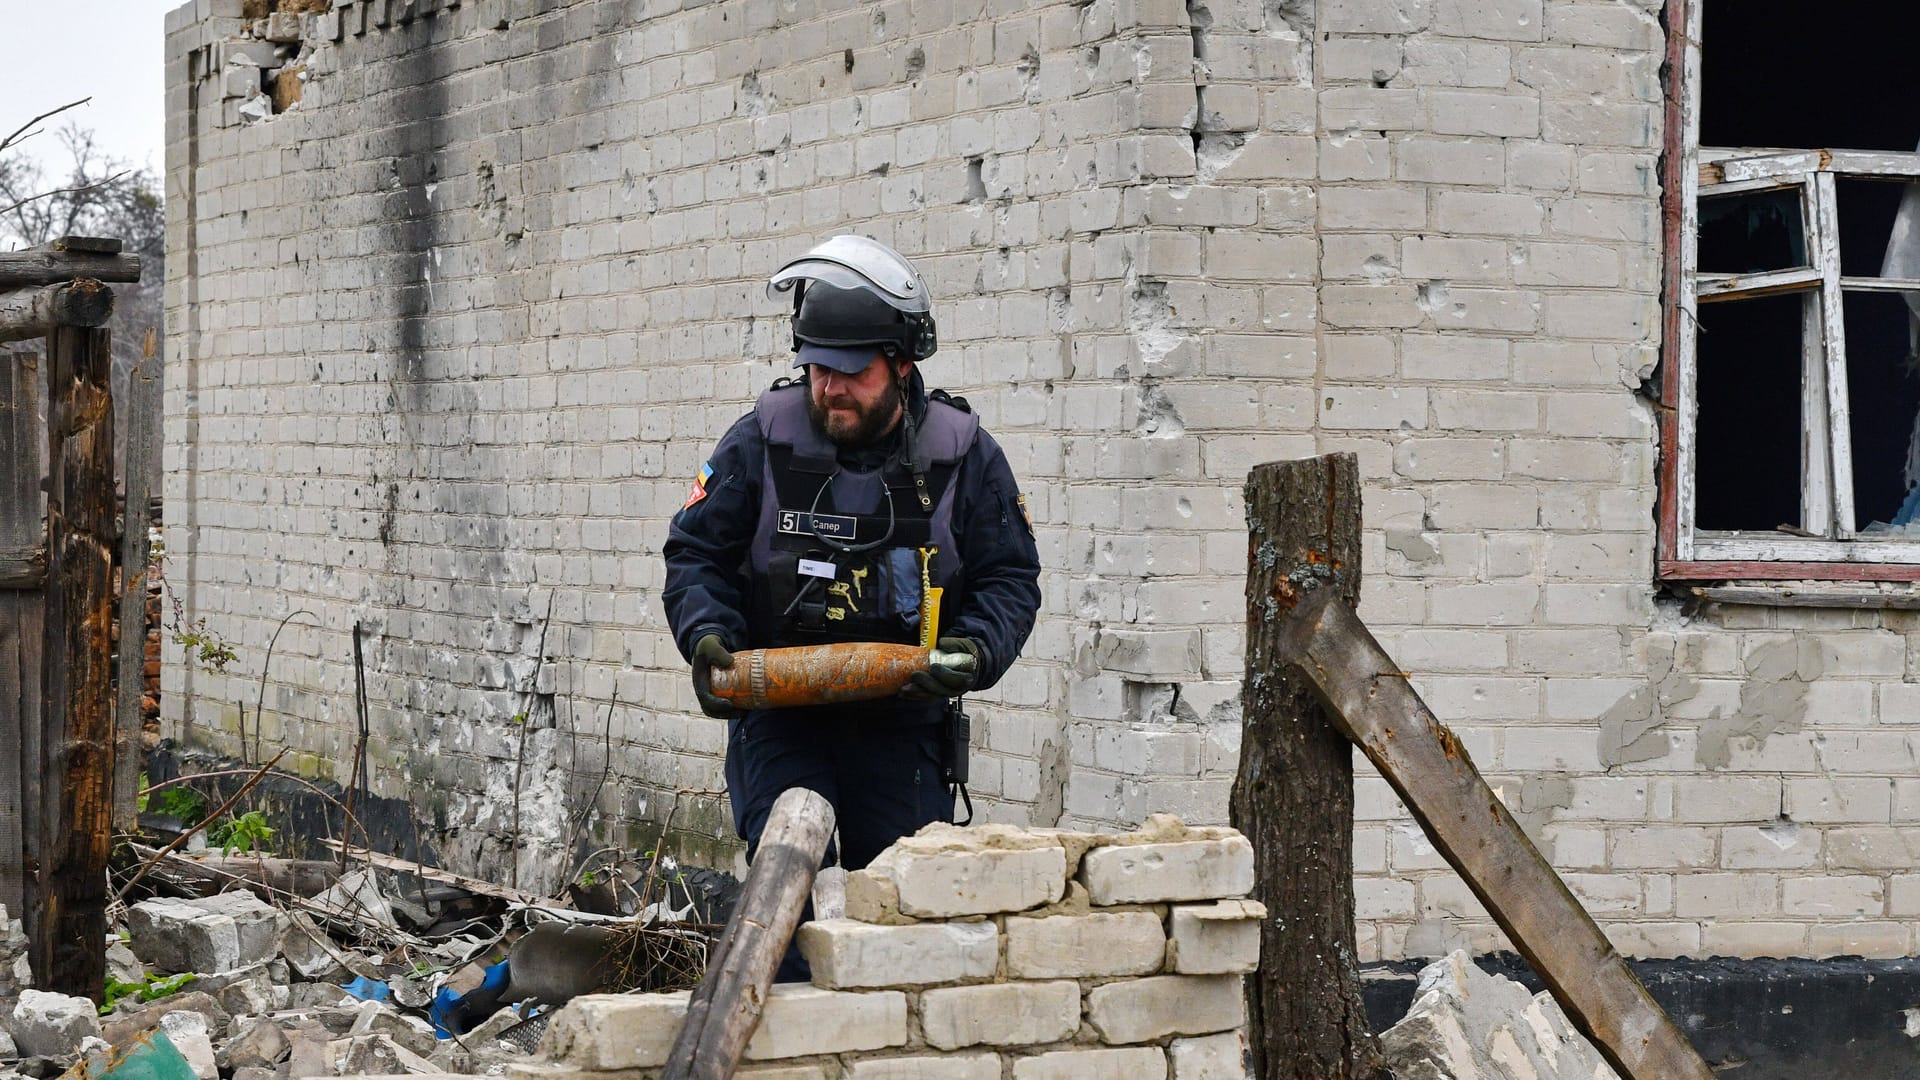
827, 514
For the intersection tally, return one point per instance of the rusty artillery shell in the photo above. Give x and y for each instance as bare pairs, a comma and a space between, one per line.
824, 674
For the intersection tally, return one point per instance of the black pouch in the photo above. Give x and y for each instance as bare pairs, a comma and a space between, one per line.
799, 599
956, 744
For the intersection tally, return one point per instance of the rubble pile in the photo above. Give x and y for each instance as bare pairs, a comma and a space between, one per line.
1468, 1025
985, 952
376, 974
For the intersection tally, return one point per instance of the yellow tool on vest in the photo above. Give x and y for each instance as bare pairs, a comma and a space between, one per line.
929, 600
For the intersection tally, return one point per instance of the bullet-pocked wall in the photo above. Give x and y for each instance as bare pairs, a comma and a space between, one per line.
461, 294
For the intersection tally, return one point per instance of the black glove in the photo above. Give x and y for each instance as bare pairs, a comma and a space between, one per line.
708, 653
940, 681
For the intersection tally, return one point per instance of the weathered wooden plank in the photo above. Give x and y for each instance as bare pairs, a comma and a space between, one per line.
32, 313
1833, 329
725, 1007
1712, 287
93, 245
1880, 284
430, 873
38, 266
1868, 599
1293, 792
67, 940
23, 567
1370, 699
1728, 569
142, 409
22, 531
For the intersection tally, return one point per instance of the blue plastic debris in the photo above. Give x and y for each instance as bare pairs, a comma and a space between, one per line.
456, 1014
369, 989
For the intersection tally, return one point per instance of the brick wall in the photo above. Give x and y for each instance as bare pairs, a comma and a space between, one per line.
970, 954
452, 333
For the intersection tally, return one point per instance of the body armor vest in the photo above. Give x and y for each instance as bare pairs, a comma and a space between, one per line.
843, 554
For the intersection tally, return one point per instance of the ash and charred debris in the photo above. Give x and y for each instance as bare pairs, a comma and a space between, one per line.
298, 970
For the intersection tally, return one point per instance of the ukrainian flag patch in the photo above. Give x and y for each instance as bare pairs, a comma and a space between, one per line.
699, 489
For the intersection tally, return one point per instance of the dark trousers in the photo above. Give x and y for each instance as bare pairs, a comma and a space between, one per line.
881, 775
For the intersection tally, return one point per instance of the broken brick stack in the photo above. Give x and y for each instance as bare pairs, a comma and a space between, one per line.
967, 952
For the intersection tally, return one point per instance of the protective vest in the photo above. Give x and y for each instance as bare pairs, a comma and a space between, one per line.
843, 554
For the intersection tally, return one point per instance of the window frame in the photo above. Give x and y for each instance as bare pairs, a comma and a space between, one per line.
1832, 553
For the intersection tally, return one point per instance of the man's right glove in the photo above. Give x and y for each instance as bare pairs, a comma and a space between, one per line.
940, 681
708, 653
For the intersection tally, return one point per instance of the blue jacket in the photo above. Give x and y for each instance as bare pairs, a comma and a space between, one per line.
710, 586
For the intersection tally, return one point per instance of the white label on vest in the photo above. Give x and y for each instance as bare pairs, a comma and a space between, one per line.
816, 568
797, 523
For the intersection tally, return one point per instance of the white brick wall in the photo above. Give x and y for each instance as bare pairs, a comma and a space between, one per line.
449, 338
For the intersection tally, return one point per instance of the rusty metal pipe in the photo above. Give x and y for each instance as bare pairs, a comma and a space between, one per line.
824, 674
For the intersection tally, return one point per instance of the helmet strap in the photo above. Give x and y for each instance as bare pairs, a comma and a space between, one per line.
917, 462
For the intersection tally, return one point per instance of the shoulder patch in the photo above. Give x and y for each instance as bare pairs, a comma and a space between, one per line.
699, 489
1025, 513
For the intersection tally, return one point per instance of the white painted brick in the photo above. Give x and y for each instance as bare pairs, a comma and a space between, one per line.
943, 884
1833, 897
1130, 1063
1085, 946
1002, 1014
1154, 873
927, 1067
799, 1020
845, 954
1217, 939
615, 1031
1213, 1057
1140, 1010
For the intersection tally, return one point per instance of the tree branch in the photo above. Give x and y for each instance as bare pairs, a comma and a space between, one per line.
65, 191
16, 137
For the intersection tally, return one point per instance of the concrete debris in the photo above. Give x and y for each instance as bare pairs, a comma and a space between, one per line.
218, 933
356, 898
51, 1025
189, 1034
1468, 1025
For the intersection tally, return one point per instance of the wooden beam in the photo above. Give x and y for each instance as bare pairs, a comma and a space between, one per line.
1293, 793
431, 873
23, 536
34, 313
38, 266
1369, 697
92, 245
142, 409
24, 567
68, 929
725, 1007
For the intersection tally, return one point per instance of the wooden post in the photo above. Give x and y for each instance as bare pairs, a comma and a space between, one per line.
22, 448
1293, 795
1371, 701
34, 313
143, 441
725, 1007
67, 934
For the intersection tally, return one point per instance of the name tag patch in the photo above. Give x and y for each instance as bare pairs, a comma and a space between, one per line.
800, 523
816, 568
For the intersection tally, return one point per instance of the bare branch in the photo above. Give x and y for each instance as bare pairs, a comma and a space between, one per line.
16, 136
65, 191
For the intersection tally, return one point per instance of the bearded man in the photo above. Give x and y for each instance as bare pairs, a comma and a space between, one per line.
828, 514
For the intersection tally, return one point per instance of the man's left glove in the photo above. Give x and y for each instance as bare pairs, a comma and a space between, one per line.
708, 653
945, 680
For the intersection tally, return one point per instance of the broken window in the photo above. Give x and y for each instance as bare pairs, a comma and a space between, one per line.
1794, 366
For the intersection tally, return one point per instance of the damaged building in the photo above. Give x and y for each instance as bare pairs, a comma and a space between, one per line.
1619, 320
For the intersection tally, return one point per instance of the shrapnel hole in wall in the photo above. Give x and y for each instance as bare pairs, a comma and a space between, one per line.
1842, 81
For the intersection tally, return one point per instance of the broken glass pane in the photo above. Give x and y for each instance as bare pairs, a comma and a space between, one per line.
1749, 232
1748, 420
1879, 228
1883, 392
